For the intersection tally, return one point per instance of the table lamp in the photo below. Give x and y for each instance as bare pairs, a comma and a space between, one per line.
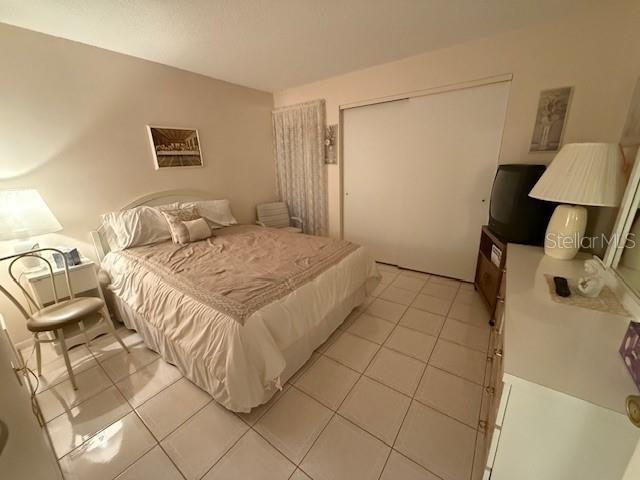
581, 174
23, 215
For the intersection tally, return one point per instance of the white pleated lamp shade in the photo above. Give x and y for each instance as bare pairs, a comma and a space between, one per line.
24, 214
588, 174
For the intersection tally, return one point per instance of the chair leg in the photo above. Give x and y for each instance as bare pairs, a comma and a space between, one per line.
113, 332
65, 354
87, 340
36, 340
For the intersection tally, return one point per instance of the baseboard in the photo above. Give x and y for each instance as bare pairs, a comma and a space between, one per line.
24, 344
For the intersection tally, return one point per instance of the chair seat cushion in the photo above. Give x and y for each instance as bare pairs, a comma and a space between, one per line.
292, 229
64, 313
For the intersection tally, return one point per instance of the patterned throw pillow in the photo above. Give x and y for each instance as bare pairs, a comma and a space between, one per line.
186, 225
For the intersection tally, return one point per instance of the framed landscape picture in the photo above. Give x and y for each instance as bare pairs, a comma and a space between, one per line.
175, 147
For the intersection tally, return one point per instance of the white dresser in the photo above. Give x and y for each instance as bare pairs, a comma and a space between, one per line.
557, 385
25, 450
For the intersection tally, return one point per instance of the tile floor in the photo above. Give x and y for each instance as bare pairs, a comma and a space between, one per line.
394, 394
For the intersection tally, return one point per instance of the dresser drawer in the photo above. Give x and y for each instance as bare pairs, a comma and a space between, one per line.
488, 280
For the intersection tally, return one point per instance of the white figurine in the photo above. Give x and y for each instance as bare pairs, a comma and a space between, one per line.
593, 282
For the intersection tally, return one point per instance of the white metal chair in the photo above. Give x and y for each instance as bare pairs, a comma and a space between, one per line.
62, 313
276, 215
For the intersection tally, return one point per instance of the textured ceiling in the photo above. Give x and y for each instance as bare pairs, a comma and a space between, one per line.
274, 44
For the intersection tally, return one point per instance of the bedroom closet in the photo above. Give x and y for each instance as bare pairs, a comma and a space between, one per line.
417, 175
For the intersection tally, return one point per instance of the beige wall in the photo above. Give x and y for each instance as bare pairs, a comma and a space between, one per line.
72, 125
597, 52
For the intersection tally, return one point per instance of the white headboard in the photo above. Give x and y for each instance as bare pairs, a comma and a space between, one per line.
153, 199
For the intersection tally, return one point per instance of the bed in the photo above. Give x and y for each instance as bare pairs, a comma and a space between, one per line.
238, 313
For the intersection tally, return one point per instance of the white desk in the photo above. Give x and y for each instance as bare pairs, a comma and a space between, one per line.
562, 409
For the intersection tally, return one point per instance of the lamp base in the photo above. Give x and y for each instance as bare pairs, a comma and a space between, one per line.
565, 231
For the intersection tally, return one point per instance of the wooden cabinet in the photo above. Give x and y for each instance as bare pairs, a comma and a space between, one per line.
490, 268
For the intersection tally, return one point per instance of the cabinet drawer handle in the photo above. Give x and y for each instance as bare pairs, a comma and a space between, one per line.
633, 409
490, 390
482, 425
497, 352
500, 299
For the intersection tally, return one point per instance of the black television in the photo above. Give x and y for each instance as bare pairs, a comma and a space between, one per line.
513, 215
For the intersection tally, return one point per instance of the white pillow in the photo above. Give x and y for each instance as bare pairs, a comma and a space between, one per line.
217, 212
137, 226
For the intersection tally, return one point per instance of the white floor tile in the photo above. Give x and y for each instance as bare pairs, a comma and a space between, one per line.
387, 276
466, 334
105, 346
440, 444
352, 351
425, 322
328, 382
299, 475
123, 364
293, 423
476, 314
399, 467
468, 296
55, 370
160, 414
62, 397
398, 295
148, 381
332, 338
446, 292
252, 458
414, 274
376, 408
372, 328
154, 465
314, 357
459, 360
256, 413
345, 452
72, 428
432, 304
200, 442
410, 342
409, 283
447, 393
444, 281
379, 289
386, 310
396, 370
110, 452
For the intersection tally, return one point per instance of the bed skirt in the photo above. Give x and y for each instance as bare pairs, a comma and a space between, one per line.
296, 354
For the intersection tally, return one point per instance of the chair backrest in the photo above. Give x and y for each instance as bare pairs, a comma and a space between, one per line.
35, 254
274, 214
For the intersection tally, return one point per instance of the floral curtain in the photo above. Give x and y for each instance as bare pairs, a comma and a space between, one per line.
298, 133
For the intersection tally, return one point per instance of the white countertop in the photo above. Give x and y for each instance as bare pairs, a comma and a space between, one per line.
566, 348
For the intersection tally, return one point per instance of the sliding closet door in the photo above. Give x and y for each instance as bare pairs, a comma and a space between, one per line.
434, 158
371, 177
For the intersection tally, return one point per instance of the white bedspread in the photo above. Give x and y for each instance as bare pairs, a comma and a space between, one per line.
239, 365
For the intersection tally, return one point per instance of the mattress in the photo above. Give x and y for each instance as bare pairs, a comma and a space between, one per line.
231, 310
